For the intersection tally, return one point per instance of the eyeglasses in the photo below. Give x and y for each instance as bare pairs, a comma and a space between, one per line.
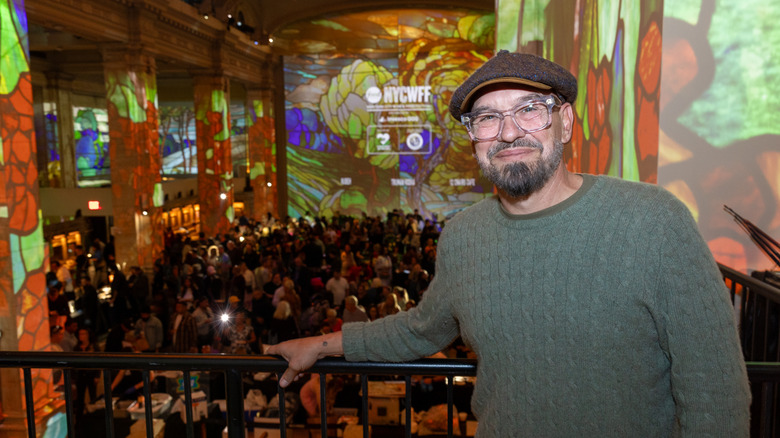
528, 117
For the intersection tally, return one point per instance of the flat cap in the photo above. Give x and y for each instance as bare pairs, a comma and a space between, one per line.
516, 68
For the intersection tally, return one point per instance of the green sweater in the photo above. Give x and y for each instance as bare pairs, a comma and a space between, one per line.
604, 315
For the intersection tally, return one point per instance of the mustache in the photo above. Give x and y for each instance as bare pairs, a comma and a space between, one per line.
518, 143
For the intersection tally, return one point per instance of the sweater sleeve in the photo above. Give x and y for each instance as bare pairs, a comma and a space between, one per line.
407, 335
697, 330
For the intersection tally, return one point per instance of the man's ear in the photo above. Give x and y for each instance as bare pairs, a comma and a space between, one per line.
567, 122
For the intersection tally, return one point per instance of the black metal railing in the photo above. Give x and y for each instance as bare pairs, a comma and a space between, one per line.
758, 304
232, 366
758, 315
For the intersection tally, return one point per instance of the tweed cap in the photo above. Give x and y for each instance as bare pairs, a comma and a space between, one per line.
516, 68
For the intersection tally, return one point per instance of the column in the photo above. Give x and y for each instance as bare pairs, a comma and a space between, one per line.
59, 89
23, 305
261, 142
215, 163
134, 151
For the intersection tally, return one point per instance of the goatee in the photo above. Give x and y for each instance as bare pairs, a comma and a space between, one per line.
520, 179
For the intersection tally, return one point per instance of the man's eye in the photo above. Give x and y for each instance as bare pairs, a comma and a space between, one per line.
485, 118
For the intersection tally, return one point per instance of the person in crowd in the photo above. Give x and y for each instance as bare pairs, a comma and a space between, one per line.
262, 312
249, 284
58, 304
212, 284
150, 328
138, 284
188, 292
353, 312
116, 338
239, 335
204, 320
373, 313
333, 321
64, 277
90, 304
283, 325
338, 287
184, 330
86, 380
129, 384
69, 339
621, 324
122, 303
390, 304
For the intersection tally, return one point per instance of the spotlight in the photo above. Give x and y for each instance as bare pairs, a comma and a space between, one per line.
256, 42
268, 184
224, 318
222, 196
205, 16
270, 40
145, 213
230, 15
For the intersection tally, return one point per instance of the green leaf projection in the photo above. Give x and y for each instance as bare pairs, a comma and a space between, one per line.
369, 130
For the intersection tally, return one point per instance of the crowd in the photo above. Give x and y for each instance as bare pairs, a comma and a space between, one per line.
261, 283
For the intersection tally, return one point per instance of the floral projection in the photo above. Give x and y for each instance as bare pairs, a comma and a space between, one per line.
261, 140
332, 124
22, 283
135, 172
720, 131
212, 124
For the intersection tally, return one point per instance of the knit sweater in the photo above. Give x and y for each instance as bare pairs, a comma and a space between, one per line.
602, 316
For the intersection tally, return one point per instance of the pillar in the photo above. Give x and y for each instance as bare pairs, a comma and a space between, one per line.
134, 151
59, 88
261, 142
215, 163
23, 306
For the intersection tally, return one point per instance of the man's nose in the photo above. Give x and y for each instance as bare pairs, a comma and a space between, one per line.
509, 130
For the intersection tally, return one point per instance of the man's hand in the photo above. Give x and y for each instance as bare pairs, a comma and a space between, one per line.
302, 353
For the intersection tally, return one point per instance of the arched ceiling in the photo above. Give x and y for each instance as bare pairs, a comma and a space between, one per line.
269, 17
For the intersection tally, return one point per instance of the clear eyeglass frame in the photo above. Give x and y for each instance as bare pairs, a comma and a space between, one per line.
468, 119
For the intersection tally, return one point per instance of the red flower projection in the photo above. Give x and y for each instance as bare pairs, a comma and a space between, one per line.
649, 72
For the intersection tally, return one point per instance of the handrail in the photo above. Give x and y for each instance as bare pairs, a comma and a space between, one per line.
221, 362
754, 284
232, 366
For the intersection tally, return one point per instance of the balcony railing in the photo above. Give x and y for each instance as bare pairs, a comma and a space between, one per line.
233, 367
758, 304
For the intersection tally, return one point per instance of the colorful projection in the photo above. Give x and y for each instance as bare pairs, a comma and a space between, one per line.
178, 140
23, 304
93, 164
720, 130
614, 50
368, 130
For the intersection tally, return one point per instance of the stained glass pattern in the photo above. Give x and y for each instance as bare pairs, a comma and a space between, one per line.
333, 128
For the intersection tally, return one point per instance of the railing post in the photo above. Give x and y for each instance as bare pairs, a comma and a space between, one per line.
148, 415
109, 402
235, 403
29, 402
68, 402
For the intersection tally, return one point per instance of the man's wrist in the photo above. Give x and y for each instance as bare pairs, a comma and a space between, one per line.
330, 345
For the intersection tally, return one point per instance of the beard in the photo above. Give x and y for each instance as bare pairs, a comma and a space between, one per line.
520, 179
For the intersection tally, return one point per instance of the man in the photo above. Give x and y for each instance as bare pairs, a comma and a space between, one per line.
64, 277
593, 305
204, 320
353, 312
150, 328
69, 339
138, 283
338, 287
184, 331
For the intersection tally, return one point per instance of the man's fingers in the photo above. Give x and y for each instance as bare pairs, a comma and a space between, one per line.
288, 377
